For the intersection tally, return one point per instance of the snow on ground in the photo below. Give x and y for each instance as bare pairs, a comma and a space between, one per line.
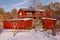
29, 35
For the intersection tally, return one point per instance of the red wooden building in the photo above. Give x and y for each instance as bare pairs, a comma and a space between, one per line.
21, 23
49, 23
22, 13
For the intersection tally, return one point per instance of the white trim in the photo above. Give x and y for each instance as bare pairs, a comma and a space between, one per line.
48, 18
20, 19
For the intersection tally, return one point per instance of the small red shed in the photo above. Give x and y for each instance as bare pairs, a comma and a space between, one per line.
49, 23
18, 23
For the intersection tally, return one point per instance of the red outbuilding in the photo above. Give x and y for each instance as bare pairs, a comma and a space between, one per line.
49, 23
18, 23
22, 13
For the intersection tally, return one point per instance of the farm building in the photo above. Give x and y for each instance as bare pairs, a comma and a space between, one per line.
30, 13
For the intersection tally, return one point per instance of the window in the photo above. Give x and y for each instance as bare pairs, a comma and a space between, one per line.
29, 13
20, 14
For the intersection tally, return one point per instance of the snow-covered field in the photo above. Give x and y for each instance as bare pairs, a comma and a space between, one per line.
28, 35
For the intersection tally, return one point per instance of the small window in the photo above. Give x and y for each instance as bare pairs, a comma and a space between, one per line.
29, 13
20, 14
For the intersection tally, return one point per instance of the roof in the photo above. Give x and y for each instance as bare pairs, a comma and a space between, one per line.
48, 18
32, 10
19, 19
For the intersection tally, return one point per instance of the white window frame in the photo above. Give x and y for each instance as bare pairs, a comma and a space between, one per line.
29, 13
20, 14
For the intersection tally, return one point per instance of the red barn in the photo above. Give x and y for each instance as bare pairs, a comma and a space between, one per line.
22, 13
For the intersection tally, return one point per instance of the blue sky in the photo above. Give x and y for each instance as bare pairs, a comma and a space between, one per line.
8, 5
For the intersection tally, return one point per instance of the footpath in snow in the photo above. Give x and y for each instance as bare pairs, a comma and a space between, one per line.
29, 35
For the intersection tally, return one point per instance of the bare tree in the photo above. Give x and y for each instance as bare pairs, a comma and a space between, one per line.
35, 4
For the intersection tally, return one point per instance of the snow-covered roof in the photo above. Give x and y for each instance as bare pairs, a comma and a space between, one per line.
32, 9
20, 19
39, 10
48, 18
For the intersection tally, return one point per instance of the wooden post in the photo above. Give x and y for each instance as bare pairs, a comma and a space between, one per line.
54, 31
